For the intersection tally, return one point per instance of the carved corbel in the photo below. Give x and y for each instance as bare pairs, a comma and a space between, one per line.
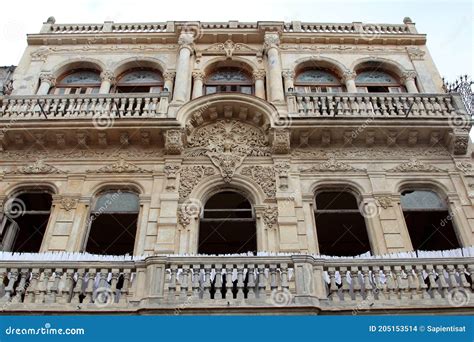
281, 141
174, 141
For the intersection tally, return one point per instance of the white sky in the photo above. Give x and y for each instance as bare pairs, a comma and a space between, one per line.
449, 24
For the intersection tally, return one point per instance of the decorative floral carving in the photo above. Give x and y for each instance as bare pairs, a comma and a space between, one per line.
107, 75
48, 78
68, 203
384, 201
282, 169
121, 166
270, 217
171, 171
190, 177
281, 141
263, 176
370, 152
415, 53
227, 163
40, 54
271, 40
37, 167
331, 165
415, 165
408, 75
259, 75
230, 48
464, 167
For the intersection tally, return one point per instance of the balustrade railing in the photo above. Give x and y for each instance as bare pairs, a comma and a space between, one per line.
84, 106
363, 105
279, 281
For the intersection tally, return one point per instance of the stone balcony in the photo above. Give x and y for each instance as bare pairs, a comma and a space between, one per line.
233, 284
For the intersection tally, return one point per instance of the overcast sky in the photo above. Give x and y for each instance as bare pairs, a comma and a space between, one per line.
449, 24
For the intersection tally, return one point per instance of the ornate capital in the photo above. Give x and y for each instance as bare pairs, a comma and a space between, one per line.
47, 77
198, 75
173, 141
271, 40
288, 74
348, 75
169, 75
281, 141
186, 39
259, 75
107, 75
408, 75
384, 201
68, 203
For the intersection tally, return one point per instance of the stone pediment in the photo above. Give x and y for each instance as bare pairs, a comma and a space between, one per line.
331, 165
415, 165
121, 166
38, 167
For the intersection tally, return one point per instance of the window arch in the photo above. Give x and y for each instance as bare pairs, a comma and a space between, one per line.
373, 80
229, 79
317, 80
340, 226
24, 221
113, 223
78, 81
227, 225
428, 220
140, 80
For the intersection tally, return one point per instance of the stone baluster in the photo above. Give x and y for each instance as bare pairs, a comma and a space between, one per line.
402, 286
346, 287
47, 81
261, 282
183, 66
240, 282
32, 288
367, 282
380, 288
125, 290
68, 287
228, 281
333, 288
54, 295
9, 289
219, 294
198, 78
444, 286
432, 280
421, 282
356, 287
77, 291
391, 284
412, 283
271, 43
172, 283
251, 282
20, 289
462, 277
452, 276
196, 281
207, 282
259, 79
184, 284
89, 292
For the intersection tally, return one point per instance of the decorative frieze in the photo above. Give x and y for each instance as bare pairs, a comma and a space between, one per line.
415, 165
38, 167
121, 166
332, 165
229, 48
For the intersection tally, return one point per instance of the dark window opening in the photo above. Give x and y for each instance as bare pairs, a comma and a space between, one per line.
340, 226
228, 225
113, 224
229, 80
25, 221
140, 80
428, 221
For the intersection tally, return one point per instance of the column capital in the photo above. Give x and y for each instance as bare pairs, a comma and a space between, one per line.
271, 40
107, 75
169, 75
288, 74
198, 75
348, 76
408, 75
259, 75
48, 77
186, 40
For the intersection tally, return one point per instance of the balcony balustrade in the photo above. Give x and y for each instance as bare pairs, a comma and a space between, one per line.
178, 283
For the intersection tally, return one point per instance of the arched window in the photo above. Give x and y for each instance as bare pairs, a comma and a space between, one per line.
24, 221
317, 81
78, 81
229, 80
340, 226
428, 220
140, 81
113, 223
377, 81
227, 225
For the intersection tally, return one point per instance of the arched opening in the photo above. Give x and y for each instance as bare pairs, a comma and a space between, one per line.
428, 220
77, 81
317, 80
229, 79
227, 225
340, 226
376, 80
113, 223
24, 221
140, 80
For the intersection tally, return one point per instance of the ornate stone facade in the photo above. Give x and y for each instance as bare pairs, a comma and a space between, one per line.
265, 134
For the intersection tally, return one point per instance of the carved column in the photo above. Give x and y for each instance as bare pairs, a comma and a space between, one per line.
349, 79
47, 81
271, 42
288, 77
183, 67
408, 79
198, 77
169, 78
259, 78
107, 78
